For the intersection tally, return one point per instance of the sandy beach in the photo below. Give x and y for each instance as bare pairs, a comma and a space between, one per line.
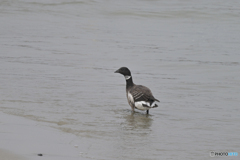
23, 139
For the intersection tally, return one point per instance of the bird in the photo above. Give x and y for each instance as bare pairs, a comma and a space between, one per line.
138, 96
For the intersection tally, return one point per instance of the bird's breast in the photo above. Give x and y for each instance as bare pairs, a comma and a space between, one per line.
130, 98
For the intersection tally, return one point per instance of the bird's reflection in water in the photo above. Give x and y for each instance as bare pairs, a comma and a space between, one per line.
137, 122
135, 133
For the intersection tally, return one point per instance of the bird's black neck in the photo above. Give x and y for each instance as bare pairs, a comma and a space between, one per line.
129, 82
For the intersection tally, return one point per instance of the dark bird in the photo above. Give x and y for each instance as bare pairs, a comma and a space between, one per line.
139, 97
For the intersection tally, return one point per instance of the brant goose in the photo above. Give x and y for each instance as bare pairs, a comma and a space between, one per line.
139, 97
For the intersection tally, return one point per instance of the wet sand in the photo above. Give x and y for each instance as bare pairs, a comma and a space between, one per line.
7, 155
23, 139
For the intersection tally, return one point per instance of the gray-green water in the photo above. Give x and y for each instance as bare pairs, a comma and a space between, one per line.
57, 60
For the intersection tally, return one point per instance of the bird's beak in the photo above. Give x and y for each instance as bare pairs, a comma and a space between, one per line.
117, 71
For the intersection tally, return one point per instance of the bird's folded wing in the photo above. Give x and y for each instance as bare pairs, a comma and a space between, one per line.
141, 93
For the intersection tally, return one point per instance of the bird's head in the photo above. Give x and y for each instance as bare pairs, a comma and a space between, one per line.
124, 71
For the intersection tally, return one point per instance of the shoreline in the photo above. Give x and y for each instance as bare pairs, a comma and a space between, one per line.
24, 139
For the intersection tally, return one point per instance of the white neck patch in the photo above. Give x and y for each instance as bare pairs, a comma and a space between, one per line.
127, 77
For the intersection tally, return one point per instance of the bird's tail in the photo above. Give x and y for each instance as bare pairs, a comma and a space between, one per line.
156, 100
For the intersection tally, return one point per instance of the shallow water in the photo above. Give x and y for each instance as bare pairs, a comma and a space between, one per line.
57, 61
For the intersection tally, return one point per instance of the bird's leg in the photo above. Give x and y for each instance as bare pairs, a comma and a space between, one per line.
147, 111
132, 108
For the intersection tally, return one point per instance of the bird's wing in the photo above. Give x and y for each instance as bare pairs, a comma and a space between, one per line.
142, 93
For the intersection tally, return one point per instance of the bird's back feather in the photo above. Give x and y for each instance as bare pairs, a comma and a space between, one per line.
142, 93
